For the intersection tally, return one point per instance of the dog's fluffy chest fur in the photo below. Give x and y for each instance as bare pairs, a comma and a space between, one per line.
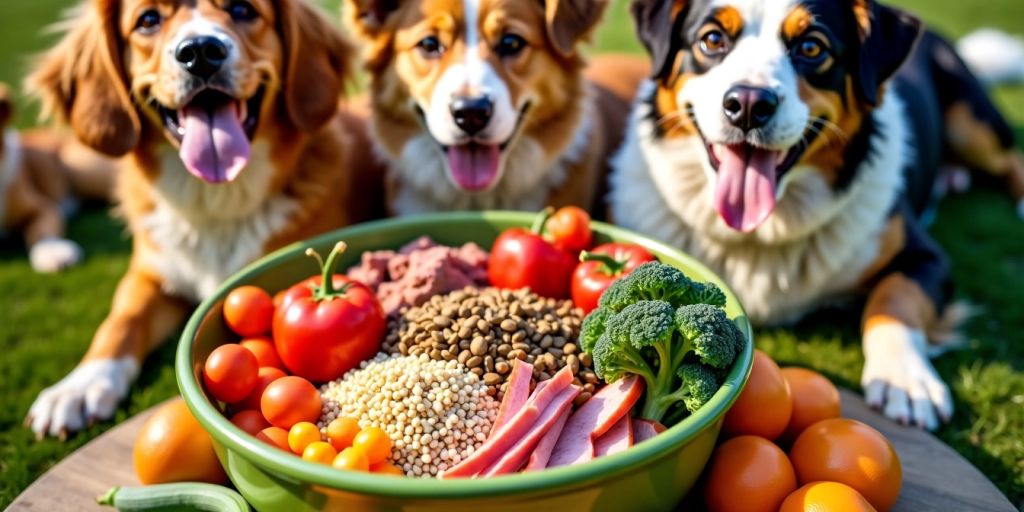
203, 233
815, 245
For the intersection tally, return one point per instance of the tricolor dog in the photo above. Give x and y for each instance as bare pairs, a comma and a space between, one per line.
228, 114
793, 146
483, 104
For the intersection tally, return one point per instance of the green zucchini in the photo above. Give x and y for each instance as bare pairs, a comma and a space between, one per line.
184, 496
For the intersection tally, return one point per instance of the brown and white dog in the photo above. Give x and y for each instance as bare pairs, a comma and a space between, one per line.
43, 175
792, 145
483, 104
228, 112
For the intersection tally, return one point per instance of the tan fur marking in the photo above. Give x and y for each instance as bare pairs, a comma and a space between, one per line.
862, 13
975, 144
845, 113
730, 19
897, 299
796, 22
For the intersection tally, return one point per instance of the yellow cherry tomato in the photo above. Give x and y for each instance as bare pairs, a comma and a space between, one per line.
320, 452
352, 459
386, 468
375, 442
341, 432
301, 435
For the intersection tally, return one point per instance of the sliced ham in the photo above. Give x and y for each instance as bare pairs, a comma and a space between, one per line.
516, 394
576, 443
617, 439
513, 430
542, 453
645, 429
515, 457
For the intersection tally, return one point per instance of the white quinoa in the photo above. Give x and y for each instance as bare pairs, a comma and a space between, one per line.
436, 412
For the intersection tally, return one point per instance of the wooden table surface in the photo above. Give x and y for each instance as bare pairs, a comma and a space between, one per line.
934, 476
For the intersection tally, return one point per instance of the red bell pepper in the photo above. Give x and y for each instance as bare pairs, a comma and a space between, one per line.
599, 268
522, 258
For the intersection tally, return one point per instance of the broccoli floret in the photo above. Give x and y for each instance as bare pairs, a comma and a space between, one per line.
616, 296
648, 323
700, 383
706, 293
658, 281
593, 327
709, 334
613, 360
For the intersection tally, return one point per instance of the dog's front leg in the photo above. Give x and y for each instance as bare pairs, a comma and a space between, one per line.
141, 317
898, 377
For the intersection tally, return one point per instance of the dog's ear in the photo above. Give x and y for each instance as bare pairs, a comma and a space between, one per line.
655, 21
82, 81
570, 21
317, 65
6, 105
887, 36
367, 19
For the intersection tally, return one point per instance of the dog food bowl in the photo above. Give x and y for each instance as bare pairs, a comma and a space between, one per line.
653, 475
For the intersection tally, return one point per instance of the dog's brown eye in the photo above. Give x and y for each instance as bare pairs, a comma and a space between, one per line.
810, 49
148, 21
510, 45
713, 43
240, 10
430, 46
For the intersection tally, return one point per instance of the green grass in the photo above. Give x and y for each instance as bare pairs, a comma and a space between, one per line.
46, 322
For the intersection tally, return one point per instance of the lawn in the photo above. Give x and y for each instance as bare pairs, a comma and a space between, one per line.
47, 321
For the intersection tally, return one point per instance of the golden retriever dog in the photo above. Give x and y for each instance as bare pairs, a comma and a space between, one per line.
227, 112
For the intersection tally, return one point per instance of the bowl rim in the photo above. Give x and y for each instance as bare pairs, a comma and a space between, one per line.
550, 480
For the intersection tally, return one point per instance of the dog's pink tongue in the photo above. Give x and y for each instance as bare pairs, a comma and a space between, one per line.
214, 147
745, 190
474, 166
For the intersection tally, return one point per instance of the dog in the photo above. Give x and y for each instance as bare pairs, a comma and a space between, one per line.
484, 104
44, 174
228, 115
793, 146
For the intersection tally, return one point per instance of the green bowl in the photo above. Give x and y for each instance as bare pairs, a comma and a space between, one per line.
654, 475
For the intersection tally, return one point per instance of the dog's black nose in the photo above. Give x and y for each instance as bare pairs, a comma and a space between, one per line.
202, 55
748, 107
472, 114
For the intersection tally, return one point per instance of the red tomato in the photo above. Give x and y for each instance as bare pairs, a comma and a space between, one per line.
569, 228
230, 373
601, 267
266, 375
521, 258
249, 310
276, 437
264, 350
250, 421
289, 400
328, 324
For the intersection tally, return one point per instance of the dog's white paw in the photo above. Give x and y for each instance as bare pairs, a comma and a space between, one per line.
90, 392
900, 380
54, 254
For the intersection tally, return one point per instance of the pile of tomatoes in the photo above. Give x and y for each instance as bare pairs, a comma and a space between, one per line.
841, 464
552, 258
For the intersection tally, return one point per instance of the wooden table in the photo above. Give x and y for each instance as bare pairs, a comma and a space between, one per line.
934, 476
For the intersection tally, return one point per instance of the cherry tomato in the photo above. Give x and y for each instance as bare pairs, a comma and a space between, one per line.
601, 267
230, 372
289, 400
319, 452
386, 468
375, 442
521, 258
250, 421
301, 435
254, 400
328, 324
264, 350
249, 310
569, 228
275, 436
341, 432
352, 459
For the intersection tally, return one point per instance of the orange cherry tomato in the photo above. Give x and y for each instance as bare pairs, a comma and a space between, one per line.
352, 459
341, 432
249, 311
289, 400
230, 373
264, 377
264, 350
173, 447
275, 436
375, 442
320, 452
252, 422
569, 228
301, 435
386, 468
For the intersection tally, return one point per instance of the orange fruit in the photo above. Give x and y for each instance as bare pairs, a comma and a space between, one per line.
815, 398
826, 497
765, 404
352, 459
275, 436
849, 452
320, 451
341, 432
375, 442
386, 468
173, 447
748, 474
301, 435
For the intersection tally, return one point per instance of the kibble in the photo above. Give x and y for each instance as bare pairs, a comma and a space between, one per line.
485, 329
436, 412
